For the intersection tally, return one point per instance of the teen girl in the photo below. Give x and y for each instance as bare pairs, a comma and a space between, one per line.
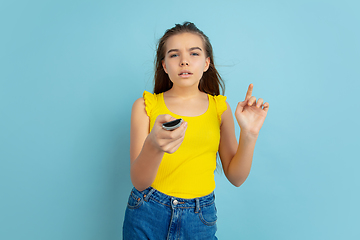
173, 171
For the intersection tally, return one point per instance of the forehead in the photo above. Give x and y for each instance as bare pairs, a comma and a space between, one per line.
184, 40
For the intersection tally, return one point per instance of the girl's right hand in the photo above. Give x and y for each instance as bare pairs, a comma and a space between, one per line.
164, 140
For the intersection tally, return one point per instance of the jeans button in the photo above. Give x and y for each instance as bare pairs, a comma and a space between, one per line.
175, 202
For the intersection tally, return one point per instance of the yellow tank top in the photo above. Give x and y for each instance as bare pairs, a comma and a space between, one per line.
189, 172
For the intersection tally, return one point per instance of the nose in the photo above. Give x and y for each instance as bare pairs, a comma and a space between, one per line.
184, 62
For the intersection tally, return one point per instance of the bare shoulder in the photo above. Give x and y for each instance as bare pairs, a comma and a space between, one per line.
139, 104
226, 115
228, 105
138, 112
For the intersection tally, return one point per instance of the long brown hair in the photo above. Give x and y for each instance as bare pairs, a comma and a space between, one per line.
211, 81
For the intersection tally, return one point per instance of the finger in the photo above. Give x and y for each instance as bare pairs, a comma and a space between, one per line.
266, 107
180, 131
178, 145
240, 106
249, 92
176, 133
252, 101
164, 118
174, 146
259, 102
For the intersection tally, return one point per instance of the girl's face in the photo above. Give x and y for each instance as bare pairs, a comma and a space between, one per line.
185, 59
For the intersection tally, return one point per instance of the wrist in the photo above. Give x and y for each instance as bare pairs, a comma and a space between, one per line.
152, 145
244, 133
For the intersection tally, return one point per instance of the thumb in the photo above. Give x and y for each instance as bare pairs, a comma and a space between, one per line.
164, 118
241, 105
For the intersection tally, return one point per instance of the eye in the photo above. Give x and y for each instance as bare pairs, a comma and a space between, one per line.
194, 54
173, 55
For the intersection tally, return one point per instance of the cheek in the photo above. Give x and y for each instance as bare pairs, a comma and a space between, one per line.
201, 66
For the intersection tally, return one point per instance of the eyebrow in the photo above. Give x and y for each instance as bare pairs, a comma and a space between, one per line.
191, 49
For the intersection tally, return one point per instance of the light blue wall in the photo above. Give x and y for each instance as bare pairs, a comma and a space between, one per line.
70, 71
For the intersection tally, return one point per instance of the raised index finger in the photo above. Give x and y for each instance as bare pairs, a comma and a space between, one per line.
249, 91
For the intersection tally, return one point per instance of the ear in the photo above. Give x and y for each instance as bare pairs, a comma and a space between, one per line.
207, 64
164, 66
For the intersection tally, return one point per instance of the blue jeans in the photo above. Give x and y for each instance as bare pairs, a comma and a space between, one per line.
153, 215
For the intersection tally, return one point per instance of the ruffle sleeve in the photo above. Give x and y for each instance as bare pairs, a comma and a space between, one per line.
220, 105
150, 102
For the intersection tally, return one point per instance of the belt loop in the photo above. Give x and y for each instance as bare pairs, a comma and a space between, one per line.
147, 196
197, 205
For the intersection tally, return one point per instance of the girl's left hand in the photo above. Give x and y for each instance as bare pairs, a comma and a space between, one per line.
250, 114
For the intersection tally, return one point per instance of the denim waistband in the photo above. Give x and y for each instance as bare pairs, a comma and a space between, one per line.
175, 202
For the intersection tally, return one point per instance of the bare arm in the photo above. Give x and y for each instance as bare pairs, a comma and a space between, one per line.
147, 149
237, 158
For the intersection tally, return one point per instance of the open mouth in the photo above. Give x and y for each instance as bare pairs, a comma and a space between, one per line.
185, 74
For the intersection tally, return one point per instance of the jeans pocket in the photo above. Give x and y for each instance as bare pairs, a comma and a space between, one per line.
208, 215
135, 199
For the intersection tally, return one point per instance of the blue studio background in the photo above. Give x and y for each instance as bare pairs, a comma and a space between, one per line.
70, 71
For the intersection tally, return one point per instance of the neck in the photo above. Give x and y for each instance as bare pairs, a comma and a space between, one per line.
184, 93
